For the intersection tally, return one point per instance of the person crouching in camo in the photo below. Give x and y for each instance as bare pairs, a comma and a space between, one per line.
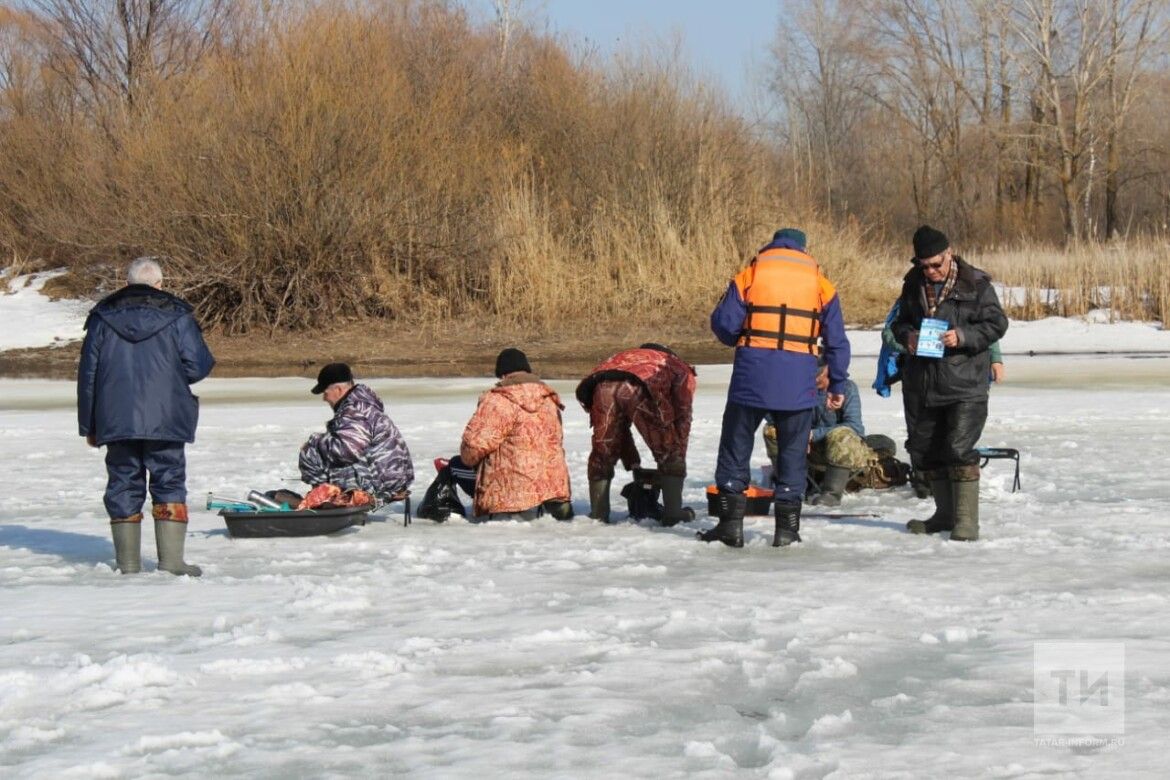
836, 446
361, 447
652, 389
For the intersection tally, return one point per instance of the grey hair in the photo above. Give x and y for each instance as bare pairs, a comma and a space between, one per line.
145, 270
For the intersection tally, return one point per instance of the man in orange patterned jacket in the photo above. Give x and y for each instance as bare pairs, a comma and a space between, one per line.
516, 444
652, 389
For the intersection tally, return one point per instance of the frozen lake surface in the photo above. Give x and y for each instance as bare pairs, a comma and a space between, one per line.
576, 649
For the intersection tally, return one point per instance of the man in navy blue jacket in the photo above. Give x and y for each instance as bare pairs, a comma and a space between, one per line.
775, 313
142, 351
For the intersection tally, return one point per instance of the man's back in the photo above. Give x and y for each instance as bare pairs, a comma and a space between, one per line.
142, 350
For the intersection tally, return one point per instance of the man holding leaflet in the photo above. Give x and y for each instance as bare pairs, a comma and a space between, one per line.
948, 316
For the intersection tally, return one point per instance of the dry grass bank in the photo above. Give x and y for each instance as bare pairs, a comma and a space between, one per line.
1131, 279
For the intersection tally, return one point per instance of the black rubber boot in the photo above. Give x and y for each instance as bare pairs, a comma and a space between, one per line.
732, 508
599, 499
127, 533
440, 501
787, 525
921, 483
832, 486
966, 510
673, 511
943, 518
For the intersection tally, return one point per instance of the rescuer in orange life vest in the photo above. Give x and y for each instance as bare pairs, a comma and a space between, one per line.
774, 313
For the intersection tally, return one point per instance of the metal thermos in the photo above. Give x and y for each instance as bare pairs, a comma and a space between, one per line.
256, 497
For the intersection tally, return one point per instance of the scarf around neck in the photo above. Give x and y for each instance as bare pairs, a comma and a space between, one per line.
933, 299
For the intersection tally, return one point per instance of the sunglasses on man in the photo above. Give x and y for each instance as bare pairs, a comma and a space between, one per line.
932, 266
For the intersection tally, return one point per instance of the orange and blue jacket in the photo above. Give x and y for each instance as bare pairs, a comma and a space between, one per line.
780, 313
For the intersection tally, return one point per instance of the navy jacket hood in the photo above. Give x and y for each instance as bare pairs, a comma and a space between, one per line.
139, 311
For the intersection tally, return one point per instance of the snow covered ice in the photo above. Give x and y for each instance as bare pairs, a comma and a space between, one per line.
577, 649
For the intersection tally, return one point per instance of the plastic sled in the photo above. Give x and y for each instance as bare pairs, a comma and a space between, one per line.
303, 522
759, 500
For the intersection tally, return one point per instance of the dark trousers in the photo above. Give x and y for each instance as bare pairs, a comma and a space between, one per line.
733, 469
463, 475
127, 465
944, 437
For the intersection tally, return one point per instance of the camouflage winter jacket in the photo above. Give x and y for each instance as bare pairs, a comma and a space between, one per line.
362, 436
515, 441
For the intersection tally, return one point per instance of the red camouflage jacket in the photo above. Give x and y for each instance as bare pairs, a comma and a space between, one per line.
669, 379
516, 443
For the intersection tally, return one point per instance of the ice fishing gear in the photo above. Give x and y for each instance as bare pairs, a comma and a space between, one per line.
641, 495
233, 504
995, 453
258, 498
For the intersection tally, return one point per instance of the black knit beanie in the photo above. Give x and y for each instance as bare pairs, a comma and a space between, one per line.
929, 242
510, 360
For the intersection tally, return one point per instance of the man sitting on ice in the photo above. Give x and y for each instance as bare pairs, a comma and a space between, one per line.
361, 447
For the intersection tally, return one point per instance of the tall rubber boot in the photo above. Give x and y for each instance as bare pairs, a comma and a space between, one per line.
943, 518
127, 533
966, 510
170, 535
732, 508
832, 486
921, 483
787, 525
673, 511
439, 500
599, 499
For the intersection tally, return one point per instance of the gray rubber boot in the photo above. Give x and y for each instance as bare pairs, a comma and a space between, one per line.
832, 486
966, 510
787, 525
943, 518
673, 511
127, 533
599, 499
171, 537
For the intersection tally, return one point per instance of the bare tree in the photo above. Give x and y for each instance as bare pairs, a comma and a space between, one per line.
1135, 26
820, 74
108, 49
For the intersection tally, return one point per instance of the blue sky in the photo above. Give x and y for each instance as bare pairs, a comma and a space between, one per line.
721, 39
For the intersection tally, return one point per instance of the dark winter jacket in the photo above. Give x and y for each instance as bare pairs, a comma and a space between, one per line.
777, 379
362, 436
141, 352
973, 311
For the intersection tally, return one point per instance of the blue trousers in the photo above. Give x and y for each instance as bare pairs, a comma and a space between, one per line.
733, 469
127, 464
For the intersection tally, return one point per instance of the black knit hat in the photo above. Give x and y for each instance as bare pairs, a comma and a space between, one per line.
331, 375
929, 242
511, 360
